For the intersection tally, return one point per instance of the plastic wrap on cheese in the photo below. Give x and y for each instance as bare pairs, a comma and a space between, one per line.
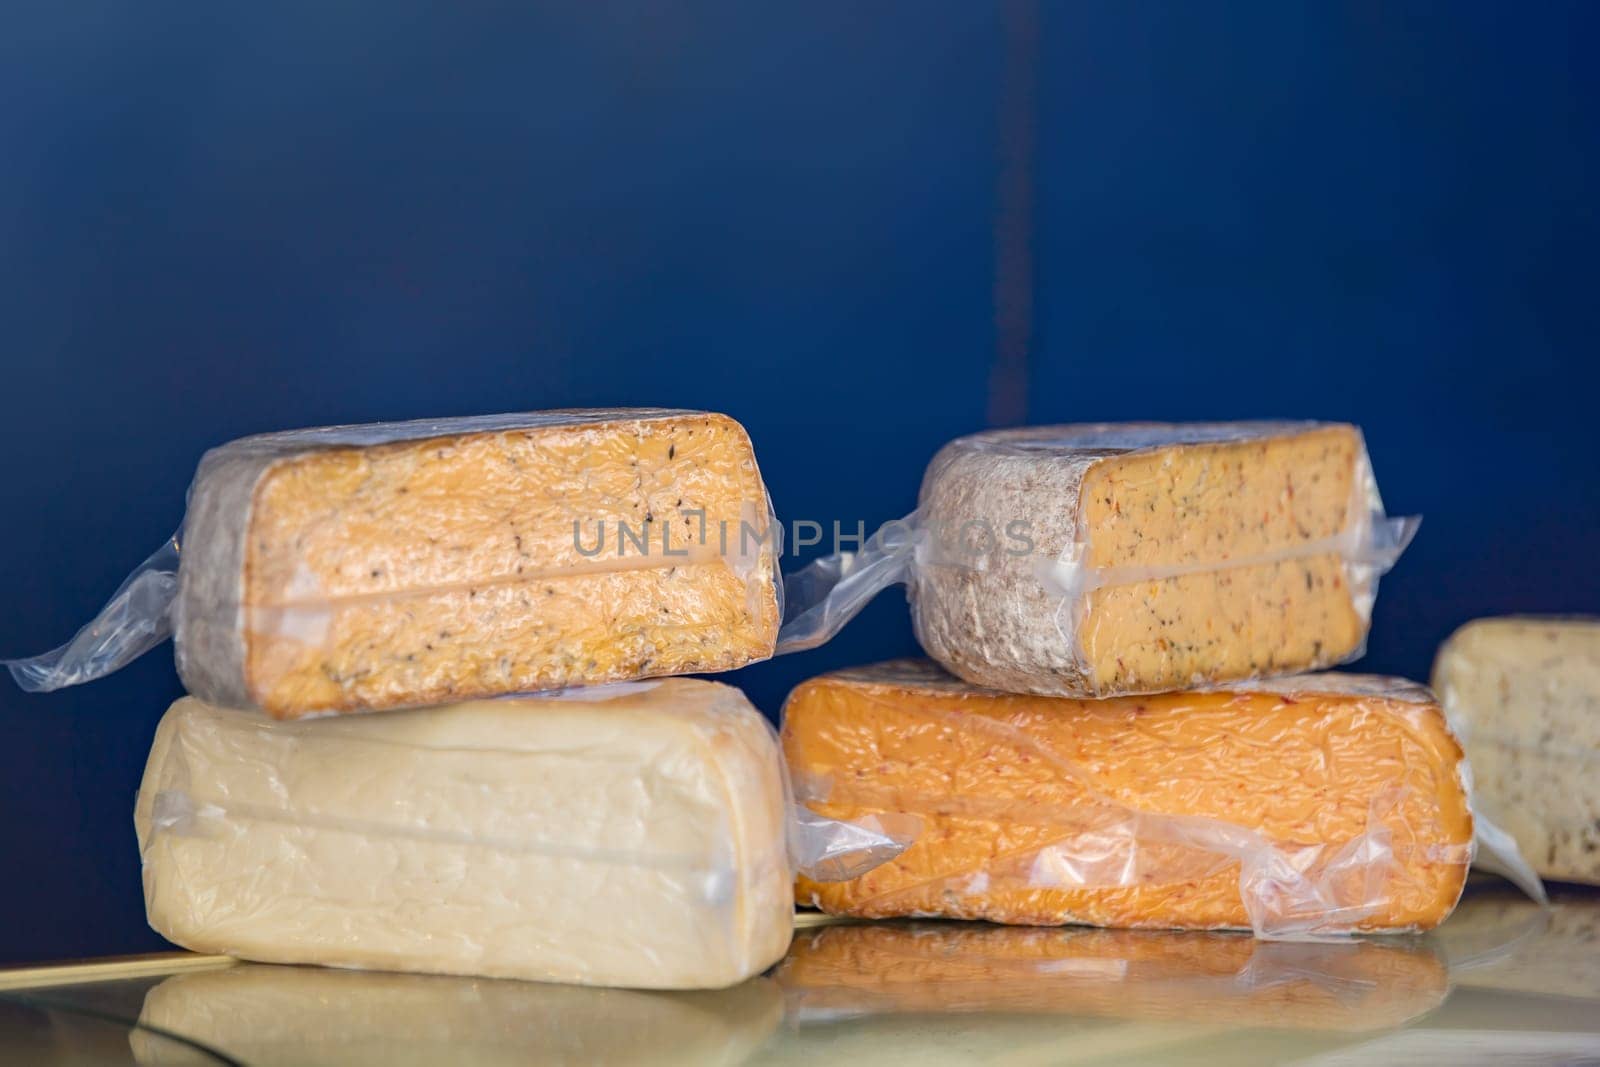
1524, 696
296, 1015
627, 837
861, 970
400, 564
1099, 560
1300, 808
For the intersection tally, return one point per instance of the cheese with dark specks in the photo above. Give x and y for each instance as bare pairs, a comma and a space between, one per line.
385, 566
1524, 693
1144, 557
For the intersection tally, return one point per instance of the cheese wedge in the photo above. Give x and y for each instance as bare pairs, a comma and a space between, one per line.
1524, 694
628, 836
415, 563
944, 968
306, 1016
1319, 804
1103, 560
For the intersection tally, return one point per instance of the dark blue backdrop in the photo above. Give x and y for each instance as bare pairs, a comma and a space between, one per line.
224, 219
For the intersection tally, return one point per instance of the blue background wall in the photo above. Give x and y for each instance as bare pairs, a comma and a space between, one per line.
239, 218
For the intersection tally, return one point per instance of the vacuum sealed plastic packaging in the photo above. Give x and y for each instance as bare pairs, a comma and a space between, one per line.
1524, 696
1296, 808
1099, 560
631, 835
400, 564
306, 1016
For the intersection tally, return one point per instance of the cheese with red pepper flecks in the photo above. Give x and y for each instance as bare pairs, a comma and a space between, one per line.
1324, 803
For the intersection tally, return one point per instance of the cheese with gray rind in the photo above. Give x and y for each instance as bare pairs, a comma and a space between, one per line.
1101, 560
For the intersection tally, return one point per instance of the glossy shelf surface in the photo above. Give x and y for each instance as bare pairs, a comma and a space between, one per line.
1502, 980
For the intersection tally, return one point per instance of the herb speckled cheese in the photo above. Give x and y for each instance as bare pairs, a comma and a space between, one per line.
626, 836
1524, 694
381, 566
1146, 558
1140, 811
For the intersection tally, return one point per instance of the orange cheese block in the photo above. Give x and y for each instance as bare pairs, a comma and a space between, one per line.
381, 566
1100, 560
1316, 804
943, 968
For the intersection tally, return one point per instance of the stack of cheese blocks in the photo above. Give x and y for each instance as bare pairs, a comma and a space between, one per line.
625, 834
1121, 733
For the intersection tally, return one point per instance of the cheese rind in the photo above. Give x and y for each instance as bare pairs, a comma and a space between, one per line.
1524, 694
406, 564
1099, 560
629, 836
1318, 804
305, 1016
948, 968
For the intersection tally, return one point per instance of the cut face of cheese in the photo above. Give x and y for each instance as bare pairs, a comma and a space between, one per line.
943, 968
1524, 693
297, 1015
1319, 804
629, 836
1102, 560
416, 563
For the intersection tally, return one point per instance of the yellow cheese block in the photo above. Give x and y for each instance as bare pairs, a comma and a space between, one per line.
958, 968
1524, 693
1103, 560
629, 835
413, 563
1318, 804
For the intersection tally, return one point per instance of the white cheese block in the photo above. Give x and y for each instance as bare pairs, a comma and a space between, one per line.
1524, 695
627, 836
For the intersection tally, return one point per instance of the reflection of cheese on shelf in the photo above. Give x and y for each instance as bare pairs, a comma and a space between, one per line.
1121, 812
417, 563
627, 836
296, 1015
893, 968
1525, 695
1145, 558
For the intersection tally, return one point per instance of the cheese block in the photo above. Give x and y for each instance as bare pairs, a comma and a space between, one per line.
1524, 694
307, 1016
416, 563
945, 968
1098, 560
630, 836
1318, 804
